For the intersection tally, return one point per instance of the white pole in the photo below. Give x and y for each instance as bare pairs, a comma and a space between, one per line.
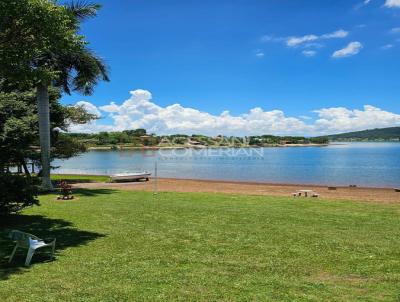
155, 178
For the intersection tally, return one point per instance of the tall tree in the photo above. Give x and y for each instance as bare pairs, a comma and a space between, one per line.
19, 143
40, 44
19, 128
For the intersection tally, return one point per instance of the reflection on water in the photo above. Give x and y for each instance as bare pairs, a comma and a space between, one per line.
367, 164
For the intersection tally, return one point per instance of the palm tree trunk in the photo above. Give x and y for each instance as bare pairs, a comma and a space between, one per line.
44, 132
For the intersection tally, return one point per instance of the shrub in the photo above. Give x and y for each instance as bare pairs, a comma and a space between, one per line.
16, 193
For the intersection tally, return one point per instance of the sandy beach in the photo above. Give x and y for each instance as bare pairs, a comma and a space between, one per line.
384, 195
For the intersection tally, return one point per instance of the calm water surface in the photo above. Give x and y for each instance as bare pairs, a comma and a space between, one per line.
363, 164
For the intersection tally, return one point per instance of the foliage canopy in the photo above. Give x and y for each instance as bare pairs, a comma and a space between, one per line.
19, 139
40, 43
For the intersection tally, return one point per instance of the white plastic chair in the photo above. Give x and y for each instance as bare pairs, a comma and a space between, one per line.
30, 242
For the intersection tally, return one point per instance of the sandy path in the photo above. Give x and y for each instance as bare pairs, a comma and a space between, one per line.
189, 185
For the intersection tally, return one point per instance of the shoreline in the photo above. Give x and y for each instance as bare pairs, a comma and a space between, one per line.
122, 147
363, 194
114, 148
248, 182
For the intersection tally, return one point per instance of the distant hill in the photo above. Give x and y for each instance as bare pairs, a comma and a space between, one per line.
383, 134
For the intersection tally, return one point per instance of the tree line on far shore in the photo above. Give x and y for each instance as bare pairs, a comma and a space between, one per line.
140, 138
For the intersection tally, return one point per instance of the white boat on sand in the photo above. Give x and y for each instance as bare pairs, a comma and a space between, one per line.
131, 176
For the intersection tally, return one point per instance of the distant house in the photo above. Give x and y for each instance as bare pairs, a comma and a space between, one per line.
196, 143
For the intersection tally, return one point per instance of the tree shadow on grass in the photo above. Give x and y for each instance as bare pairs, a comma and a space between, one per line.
84, 192
92, 192
72, 181
43, 227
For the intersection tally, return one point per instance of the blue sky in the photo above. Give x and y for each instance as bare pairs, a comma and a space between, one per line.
234, 55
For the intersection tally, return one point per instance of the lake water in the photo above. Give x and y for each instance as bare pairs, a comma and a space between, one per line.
362, 164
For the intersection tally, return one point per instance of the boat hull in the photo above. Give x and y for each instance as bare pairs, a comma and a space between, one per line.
130, 177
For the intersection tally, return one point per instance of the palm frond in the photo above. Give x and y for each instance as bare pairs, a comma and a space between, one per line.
90, 69
80, 71
82, 9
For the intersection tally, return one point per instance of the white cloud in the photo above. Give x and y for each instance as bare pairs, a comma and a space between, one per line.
351, 49
392, 3
91, 127
259, 53
387, 46
296, 41
89, 107
337, 34
112, 107
361, 5
309, 53
332, 120
395, 30
139, 111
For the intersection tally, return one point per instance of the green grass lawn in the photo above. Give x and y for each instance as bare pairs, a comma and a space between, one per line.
133, 246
